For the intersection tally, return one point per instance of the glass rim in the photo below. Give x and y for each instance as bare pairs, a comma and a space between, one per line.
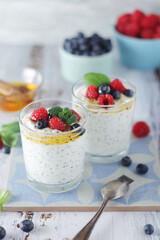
59, 133
113, 106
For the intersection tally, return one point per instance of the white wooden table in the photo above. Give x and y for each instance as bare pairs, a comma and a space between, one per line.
63, 226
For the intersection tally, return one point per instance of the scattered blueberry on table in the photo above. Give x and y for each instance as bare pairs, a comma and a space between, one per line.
142, 168
6, 149
2, 232
148, 229
126, 161
26, 225
87, 46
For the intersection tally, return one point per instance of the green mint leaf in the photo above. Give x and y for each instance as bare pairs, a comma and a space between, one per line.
67, 112
9, 139
12, 127
95, 79
62, 117
72, 119
55, 111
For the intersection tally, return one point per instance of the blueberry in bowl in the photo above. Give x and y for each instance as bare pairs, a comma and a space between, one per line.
81, 54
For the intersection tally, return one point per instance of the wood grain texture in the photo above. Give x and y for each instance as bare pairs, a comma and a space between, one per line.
63, 225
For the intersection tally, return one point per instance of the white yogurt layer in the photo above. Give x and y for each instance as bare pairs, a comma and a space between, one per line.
51, 163
108, 130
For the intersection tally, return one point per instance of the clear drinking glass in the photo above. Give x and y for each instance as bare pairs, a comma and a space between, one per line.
54, 161
109, 126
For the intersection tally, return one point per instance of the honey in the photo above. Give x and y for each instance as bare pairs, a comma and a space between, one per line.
16, 102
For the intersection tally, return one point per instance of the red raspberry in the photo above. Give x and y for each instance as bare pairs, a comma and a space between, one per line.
158, 29
137, 16
150, 21
125, 18
120, 28
57, 123
147, 33
141, 129
92, 92
117, 85
40, 113
132, 29
78, 116
1, 143
106, 99
156, 35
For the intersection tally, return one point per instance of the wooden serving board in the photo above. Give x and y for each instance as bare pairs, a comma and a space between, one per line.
143, 195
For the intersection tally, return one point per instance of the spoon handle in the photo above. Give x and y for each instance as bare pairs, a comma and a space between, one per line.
86, 231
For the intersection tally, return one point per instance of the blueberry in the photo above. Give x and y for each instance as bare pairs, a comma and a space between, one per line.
115, 94
6, 149
26, 225
81, 130
83, 47
77, 52
49, 116
128, 93
67, 44
104, 89
41, 123
142, 168
107, 44
75, 125
80, 35
126, 161
96, 48
148, 229
2, 232
82, 41
86, 53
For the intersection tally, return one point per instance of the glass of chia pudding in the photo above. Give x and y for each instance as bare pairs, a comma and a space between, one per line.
110, 103
53, 140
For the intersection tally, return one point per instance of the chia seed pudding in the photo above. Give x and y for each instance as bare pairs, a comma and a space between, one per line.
54, 158
109, 126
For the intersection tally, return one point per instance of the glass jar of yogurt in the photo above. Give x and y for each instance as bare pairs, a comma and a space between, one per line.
54, 160
109, 126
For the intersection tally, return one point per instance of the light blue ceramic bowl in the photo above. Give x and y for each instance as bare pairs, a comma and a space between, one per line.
74, 67
142, 54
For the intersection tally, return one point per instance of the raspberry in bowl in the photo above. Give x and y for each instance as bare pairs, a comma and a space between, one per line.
82, 54
138, 38
110, 103
53, 140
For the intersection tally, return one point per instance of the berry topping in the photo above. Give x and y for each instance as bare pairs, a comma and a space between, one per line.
148, 229
116, 84
6, 149
2, 232
132, 29
1, 143
141, 129
125, 18
49, 116
137, 16
92, 92
126, 161
115, 94
142, 168
104, 89
106, 99
40, 113
26, 225
139, 25
57, 123
41, 123
87, 46
76, 125
147, 33
78, 116
128, 93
